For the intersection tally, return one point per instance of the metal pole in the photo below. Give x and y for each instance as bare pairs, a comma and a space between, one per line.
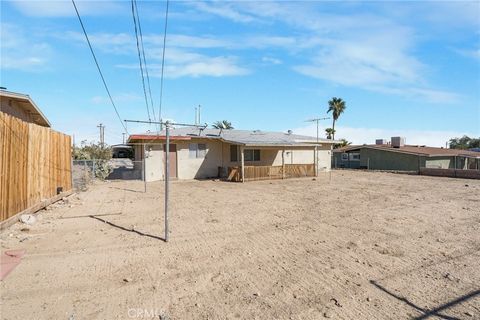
167, 176
143, 170
368, 163
93, 166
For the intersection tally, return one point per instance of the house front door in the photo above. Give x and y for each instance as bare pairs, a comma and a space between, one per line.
173, 159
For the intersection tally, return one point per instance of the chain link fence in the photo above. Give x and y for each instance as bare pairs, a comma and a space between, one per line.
84, 172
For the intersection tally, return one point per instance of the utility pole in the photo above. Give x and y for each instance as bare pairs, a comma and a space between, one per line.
123, 137
168, 125
102, 134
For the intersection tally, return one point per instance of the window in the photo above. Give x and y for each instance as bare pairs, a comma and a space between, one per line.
252, 155
355, 156
202, 150
344, 156
233, 153
197, 150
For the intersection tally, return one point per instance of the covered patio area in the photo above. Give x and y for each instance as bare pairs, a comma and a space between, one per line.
286, 161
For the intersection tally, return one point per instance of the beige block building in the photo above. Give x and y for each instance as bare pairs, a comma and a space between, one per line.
237, 155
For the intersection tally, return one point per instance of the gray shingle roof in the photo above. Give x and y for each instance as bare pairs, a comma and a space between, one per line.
245, 137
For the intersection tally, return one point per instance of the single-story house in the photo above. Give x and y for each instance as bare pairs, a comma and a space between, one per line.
21, 106
394, 157
237, 155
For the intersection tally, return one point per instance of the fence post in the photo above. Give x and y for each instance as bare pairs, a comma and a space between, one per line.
71, 172
85, 171
93, 165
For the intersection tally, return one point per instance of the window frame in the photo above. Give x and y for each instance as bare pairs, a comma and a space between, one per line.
195, 152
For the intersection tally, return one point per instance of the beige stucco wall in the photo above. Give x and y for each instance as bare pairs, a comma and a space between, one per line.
199, 168
218, 155
154, 166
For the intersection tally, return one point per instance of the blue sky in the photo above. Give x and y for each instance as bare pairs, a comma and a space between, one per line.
408, 68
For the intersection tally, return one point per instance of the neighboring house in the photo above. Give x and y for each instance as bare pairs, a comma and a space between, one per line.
383, 156
210, 153
22, 107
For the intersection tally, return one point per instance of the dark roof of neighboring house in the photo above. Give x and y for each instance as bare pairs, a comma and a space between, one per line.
241, 137
27, 104
417, 150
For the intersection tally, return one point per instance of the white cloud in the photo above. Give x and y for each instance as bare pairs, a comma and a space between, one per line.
471, 53
64, 8
186, 64
180, 60
223, 9
433, 138
371, 51
271, 60
14, 54
124, 97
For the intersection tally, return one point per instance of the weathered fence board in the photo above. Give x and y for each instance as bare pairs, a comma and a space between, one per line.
35, 164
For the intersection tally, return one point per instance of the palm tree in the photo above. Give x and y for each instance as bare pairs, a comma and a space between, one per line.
343, 143
224, 124
329, 132
337, 107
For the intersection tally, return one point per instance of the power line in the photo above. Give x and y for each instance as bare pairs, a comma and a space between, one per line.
98, 66
163, 65
145, 60
139, 56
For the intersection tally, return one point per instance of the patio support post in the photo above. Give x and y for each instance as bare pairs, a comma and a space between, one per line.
315, 161
242, 158
283, 164
144, 176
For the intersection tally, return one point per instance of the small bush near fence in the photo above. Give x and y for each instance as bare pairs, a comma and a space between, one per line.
90, 161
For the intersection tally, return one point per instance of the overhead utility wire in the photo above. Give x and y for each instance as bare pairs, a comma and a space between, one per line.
98, 66
145, 62
140, 58
163, 64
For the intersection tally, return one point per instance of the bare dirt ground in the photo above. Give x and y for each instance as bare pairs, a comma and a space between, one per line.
363, 246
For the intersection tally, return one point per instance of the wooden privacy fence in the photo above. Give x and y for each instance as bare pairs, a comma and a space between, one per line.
253, 173
35, 165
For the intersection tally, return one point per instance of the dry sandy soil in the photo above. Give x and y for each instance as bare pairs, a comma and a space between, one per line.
362, 246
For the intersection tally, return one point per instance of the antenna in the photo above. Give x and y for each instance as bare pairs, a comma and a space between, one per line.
316, 120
